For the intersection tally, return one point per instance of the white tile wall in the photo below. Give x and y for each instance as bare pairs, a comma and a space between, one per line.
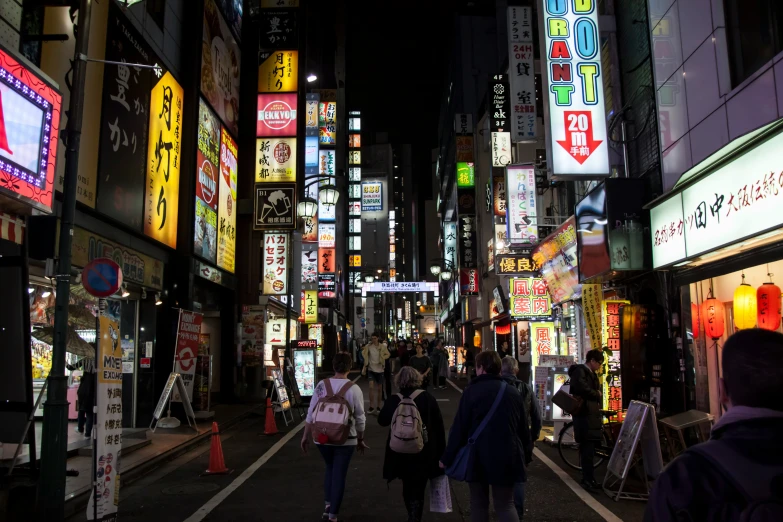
699, 112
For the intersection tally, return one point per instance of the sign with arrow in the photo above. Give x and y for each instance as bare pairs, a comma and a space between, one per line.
577, 119
275, 206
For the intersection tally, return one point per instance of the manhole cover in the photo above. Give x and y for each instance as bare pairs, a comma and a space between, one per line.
190, 489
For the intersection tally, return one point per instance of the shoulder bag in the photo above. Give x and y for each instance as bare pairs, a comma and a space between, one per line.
464, 459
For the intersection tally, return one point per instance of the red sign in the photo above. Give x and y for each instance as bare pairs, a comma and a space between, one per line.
306, 344
579, 141
145, 362
30, 111
276, 115
326, 261
468, 281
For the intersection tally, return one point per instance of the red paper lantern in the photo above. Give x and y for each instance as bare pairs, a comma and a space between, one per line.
695, 320
768, 296
714, 318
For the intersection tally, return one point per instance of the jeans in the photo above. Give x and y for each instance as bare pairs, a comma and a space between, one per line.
82, 418
587, 458
502, 499
519, 498
337, 459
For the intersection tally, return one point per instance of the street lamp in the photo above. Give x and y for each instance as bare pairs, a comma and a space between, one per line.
369, 279
307, 208
311, 78
446, 276
435, 269
328, 195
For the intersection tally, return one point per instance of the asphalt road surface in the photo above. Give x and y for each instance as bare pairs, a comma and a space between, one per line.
272, 481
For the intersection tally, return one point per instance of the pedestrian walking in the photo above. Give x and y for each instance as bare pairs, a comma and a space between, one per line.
587, 421
413, 467
422, 363
492, 416
375, 355
337, 432
435, 356
470, 361
407, 353
509, 370
85, 395
738, 473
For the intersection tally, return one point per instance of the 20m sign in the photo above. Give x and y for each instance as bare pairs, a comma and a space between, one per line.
579, 140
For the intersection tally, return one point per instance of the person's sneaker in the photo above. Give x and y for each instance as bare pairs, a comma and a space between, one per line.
589, 484
77, 430
370, 411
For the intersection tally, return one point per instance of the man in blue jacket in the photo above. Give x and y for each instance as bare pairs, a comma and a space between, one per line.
740, 469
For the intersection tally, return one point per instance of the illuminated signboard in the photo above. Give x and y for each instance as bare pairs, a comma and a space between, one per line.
276, 115
29, 137
577, 120
556, 257
310, 306
450, 243
466, 175
278, 72
207, 183
275, 160
521, 73
372, 196
529, 298
521, 206
274, 255
227, 209
163, 161
326, 235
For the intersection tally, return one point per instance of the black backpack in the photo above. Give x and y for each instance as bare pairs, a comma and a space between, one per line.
752, 479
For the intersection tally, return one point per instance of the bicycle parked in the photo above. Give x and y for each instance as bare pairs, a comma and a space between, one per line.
569, 448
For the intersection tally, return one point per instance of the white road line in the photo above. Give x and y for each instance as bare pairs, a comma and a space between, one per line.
223, 494
586, 497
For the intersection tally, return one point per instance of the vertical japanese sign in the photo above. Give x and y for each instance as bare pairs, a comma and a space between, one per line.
163, 158
326, 261
310, 233
125, 116
521, 74
577, 121
542, 340
186, 354
499, 200
220, 64
327, 235
207, 162
463, 124
521, 212
500, 144
468, 247
529, 298
227, 211
466, 175
276, 160
465, 148
450, 243
279, 72
327, 122
610, 316
310, 306
275, 262
108, 423
278, 28
592, 294
310, 266
468, 281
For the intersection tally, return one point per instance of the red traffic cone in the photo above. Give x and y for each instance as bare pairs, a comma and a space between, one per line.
270, 427
217, 465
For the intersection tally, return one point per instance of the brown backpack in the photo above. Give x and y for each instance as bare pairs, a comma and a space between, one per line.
333, 418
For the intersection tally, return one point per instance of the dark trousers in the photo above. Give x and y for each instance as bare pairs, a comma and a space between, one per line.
337, 459
437, 380
502, 499
587, 458
519, 498
83, 418
524, 372
387, 376
413, 493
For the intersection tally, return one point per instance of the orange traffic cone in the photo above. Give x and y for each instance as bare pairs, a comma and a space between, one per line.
217, 465
270, 427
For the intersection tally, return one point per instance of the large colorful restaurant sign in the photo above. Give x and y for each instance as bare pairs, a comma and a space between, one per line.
576, 92
30, 110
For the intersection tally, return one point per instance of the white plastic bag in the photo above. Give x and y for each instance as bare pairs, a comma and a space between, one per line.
440, 495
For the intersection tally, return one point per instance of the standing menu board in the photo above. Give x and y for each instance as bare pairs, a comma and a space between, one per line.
304, 371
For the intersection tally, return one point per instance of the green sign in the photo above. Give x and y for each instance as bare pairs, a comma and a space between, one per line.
466, 175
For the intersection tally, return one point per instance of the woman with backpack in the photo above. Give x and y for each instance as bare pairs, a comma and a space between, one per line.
337, 431
416, 441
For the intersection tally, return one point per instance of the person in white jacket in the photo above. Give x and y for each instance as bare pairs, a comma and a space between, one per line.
337, 458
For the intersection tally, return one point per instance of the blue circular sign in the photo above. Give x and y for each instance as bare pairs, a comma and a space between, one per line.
102, 277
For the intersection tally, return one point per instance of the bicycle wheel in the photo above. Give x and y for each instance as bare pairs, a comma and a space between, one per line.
569, 448
604, 451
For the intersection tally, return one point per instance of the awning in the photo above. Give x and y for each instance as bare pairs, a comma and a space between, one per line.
11, 228
500, 319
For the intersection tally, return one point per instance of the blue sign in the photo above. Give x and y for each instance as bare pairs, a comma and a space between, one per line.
102, 277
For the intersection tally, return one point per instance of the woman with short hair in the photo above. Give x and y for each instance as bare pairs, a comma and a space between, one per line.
416, 468
422, 364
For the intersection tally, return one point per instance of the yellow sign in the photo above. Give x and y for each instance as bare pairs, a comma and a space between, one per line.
592, 295
311, 114
163, 155
310, 306
279, 72
542, 340
275, 160
427, 309
110, 350
355, 261
227, 209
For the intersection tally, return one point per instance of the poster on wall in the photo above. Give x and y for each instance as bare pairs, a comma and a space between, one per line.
187, 346
556, 257
309, 266
227, 210
205, 240
163, 158
124, 121
521, 210
220, 64
372, 196
109, 421
275, 160
276, 115
279, 72
274, 257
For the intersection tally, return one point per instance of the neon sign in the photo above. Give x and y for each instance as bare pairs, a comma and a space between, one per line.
576, 94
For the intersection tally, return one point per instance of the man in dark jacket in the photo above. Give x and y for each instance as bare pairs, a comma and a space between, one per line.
85, 395
742, 463
502, 450
509, 371
587, 423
